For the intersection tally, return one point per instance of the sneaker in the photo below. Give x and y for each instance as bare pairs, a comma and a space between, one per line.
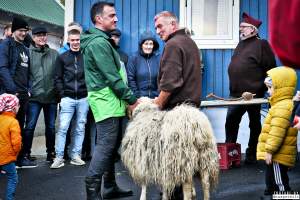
57, 163
26, 163
32, 158
76, 160
50, 157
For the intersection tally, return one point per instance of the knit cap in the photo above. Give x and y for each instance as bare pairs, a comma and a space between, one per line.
8, 103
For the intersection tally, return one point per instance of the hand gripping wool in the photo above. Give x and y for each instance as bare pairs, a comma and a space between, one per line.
168, 148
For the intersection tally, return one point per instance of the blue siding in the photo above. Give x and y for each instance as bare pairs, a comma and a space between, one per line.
216, 61
135, 16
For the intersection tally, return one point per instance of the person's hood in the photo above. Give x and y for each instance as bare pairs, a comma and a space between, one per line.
39, 49
148, 35
89, 35
284, 81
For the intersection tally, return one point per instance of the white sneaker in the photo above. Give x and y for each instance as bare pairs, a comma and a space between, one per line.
57, 163
76, 160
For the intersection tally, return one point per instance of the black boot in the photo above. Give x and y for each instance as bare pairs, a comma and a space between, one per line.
111, 189
93, 186
250, 156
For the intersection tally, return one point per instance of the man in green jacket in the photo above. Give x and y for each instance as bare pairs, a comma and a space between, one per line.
108, 96
43, 96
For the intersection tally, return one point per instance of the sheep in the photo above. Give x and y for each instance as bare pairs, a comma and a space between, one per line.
168, 148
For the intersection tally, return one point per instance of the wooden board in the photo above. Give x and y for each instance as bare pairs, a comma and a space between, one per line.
222, 103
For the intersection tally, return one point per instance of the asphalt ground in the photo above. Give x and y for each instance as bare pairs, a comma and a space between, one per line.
67, 183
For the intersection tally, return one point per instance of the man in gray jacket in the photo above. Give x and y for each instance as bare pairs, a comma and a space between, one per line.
43, 93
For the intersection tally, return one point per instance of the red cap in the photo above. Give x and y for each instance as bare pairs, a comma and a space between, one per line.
250, 20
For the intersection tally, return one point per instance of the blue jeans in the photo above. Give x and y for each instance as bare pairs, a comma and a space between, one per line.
32, 115
108, 142
69, 107
12, 179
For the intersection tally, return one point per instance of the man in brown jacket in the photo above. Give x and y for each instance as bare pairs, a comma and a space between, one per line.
179, 77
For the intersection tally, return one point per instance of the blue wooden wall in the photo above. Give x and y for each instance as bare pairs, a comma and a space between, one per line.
216, 61
135, 16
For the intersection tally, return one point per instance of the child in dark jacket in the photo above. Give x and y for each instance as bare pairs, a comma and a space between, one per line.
278, 140
10, 141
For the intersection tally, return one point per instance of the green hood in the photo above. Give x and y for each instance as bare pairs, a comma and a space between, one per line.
89, 36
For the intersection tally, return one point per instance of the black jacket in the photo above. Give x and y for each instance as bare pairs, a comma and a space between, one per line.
251, 60
69, 76
13, 64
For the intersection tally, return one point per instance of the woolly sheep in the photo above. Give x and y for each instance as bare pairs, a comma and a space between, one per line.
168, 148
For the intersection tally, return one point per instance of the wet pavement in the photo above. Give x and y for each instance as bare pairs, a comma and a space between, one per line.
67, 183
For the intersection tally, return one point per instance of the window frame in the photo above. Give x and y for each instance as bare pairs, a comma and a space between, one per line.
211, 42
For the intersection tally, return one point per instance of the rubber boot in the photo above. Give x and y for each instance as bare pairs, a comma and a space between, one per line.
93, 186
111, 190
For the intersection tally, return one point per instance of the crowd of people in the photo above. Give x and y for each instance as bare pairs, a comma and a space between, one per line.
92, 83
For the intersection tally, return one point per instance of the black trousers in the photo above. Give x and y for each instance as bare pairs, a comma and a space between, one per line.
233, 119
21, 115
276, 178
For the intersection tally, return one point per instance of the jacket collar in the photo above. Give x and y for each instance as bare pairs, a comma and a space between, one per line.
9, 114
178, 32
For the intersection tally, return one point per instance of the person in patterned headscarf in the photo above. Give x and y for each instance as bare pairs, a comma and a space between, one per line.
10, 137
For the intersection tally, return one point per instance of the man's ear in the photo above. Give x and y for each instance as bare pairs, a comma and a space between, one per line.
98, 18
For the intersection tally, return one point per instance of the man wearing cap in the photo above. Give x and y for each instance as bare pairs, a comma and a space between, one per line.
251, 59
14, 67
42, 70
116, 36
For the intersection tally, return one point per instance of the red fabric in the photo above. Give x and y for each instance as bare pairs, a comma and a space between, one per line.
284, 30
250, 20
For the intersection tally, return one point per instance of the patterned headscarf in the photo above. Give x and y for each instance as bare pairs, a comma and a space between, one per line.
8, 103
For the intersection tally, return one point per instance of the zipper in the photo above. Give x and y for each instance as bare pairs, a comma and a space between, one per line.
76, 70
149, 85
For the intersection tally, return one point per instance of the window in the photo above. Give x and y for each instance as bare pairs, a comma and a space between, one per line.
214, 24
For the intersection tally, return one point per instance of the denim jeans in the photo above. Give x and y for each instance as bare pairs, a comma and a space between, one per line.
32, 115
108, 142
12, 179
69, 107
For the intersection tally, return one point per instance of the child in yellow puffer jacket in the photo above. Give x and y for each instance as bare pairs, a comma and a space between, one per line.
10, 141
277, 141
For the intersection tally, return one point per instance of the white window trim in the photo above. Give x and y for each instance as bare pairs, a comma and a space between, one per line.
69, 15
212, 43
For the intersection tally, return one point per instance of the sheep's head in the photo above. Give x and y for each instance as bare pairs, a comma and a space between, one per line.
145, 105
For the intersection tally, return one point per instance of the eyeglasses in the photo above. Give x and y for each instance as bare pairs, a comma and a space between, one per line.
244, 26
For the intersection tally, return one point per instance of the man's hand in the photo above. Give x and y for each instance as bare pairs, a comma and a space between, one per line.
162, 99
133, 106
296, 122
268, 158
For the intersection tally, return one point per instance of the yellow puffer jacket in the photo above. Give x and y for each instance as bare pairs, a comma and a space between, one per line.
277, 136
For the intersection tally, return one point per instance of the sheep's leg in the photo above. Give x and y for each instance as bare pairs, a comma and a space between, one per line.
205, 185
187, 191
165, 195
143, 193
193, 192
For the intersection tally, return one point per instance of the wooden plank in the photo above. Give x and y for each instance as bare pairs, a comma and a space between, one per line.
227, 58
218, 69
143, 13
263, 16
126, 26
134, 25
222, 103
